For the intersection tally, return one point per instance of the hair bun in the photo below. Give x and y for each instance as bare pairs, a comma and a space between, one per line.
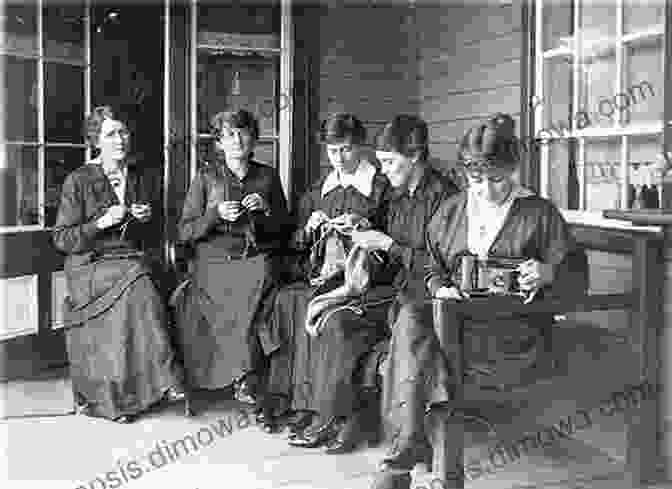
495, 138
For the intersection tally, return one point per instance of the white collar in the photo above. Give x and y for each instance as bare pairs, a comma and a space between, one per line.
361, 179
518, 191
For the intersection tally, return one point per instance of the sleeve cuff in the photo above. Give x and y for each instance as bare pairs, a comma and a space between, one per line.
434, 284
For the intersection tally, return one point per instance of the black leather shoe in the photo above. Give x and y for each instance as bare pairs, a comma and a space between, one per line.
175, 394
301, 421
405, 454
126, 419
316, 438
392, 480
351, 434
244, 390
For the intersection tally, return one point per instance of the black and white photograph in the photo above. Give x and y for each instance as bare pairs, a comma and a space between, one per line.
336, 244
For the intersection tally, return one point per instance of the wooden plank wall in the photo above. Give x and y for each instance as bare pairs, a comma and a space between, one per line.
367, 63
468, 67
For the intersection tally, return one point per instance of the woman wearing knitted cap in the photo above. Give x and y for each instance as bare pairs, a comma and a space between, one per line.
493, 216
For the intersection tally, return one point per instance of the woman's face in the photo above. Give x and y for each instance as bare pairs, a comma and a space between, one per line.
344, 157
396, 167
493, 185
236, 143
114, 140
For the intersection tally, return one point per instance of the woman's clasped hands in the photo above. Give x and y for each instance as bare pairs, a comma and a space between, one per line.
231, 210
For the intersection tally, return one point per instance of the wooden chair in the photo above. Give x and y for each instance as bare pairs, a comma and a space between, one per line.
645, 304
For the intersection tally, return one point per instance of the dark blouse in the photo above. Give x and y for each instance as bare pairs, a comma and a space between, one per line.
85, 197
200, 223
534, 228
341, 200
406, 222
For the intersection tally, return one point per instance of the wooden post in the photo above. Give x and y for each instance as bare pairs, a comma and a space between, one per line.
646, 325
448, 442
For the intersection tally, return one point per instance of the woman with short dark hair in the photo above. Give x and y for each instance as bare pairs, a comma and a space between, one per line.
235, 217
353, 189
121, 360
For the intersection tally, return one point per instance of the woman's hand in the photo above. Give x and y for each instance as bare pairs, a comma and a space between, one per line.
255, 202
113, 216
142, 212
372, 240
229, 210
450, 293
315, 220
534, 275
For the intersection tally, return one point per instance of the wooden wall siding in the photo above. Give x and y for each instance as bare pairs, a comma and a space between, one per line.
368, 64
468, 67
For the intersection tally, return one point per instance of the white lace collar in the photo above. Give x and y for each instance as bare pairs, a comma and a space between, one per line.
361, 179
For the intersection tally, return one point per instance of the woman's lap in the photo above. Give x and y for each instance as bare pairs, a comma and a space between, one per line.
122, 360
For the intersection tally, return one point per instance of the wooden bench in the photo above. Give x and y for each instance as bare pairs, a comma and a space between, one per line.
644, 302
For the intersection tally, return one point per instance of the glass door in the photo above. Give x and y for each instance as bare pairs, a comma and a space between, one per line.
45, 53
241, 59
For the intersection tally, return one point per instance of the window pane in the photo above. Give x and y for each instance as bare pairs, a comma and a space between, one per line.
266, 152
18, 28
642, 14
597, 86
60, 162
64, 103
64, 31
557, 103
645, 181
602, 174
643, 97
557, 24
18, 186
20, 99
214, 16
597, 19
229, 82
563, 181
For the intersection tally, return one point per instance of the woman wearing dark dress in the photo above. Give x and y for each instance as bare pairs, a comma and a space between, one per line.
494, 216
121, 360
342, 391
354, 186
235, 217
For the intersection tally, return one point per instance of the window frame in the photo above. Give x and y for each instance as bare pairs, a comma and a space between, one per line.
536, 165
41, 143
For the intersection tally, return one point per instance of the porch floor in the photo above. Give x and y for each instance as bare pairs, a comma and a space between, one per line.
70, 452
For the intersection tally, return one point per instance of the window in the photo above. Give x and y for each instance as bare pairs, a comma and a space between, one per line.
44, 64
237, 66
598, 103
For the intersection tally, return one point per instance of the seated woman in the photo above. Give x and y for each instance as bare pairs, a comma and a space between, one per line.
353, 188
340, 392
121, 360
494, 216
235, 217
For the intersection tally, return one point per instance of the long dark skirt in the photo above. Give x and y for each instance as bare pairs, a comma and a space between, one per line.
323, 373
216, 315
121, 361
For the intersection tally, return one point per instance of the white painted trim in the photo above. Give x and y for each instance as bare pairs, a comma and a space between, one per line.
56, 319
193, 86
286, 88
595, 219
32, 311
